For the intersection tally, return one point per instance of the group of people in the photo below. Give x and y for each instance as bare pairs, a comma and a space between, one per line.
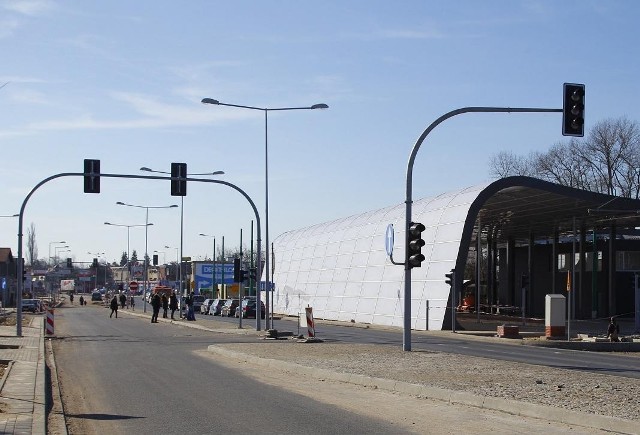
164, 302
118, 302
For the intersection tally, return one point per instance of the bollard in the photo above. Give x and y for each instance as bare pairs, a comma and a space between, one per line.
49, 325
310, 328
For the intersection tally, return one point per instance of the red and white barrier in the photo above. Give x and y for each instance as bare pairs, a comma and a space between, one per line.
49, 324
310, 327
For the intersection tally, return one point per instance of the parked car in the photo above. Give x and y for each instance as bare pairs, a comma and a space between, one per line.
216, 307
229, 307
248, 309
204, 308
96, 296
31, 305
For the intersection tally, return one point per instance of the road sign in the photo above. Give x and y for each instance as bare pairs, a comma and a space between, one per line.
388, 240
133, 286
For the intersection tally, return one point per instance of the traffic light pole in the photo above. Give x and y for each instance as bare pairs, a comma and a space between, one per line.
406, 336
20, 286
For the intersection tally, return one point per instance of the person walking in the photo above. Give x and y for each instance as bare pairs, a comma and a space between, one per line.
165, 305
114, 306
132, 302
190, 312
155, 304
173, 304
123, 300
81, 301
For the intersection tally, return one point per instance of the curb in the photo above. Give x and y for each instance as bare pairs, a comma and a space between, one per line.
523, 409
39, 422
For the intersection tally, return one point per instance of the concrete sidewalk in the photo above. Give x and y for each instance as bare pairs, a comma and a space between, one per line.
23, 386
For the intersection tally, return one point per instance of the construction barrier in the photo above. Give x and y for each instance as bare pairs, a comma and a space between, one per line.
310, 328
49, 324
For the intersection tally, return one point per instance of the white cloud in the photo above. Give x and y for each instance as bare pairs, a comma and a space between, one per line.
28, 7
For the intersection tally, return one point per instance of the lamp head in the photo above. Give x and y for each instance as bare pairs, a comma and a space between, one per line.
108, 223
319, 106
210, 101
120, 203
144, 168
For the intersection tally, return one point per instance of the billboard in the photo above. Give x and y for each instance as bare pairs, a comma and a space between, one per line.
204, 274
67, 285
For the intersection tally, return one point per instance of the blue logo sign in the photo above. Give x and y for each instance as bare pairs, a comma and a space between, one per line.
4, 283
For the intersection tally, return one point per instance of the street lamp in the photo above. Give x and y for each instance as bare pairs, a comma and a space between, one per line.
213, 267
128, 227
145, 169
146, 235
55, 252
54, 243
178, 271
266, 111
99, 254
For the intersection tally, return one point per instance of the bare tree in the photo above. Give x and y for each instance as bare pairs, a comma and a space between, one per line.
32, 246
507, 164
607, 161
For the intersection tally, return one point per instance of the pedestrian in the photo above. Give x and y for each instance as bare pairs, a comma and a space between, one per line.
123, 300
155, 303
71, 297
613, 330
81, 301
165, 305
114, 306
173, 304
190, 313
132, 303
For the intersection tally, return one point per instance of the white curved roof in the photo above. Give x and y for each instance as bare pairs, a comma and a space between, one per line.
341, 269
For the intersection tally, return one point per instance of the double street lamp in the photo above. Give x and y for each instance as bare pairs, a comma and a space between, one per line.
145, 169
99, 254
128, 227
56, 252
54, 243
266, 111
146, 239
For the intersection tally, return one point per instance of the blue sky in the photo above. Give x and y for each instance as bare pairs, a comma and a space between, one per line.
122, 81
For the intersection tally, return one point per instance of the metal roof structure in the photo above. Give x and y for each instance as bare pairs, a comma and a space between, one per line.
341, 268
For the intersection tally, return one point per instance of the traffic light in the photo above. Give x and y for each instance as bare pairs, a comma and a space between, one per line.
415, 244
91, 176
178, 179
24, 272
155, 259
449, 277
573, 110
525, 281
95, 263
69, 263
243, 275
236, 270
252, 273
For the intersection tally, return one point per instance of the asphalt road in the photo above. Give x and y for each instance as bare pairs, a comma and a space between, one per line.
598, 362
127, 375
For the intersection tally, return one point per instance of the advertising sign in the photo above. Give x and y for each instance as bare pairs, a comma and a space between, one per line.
67, 285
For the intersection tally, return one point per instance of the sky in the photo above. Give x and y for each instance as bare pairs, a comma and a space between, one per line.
123, 81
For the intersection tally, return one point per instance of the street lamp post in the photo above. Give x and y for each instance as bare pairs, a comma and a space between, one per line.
213, 266
128, 227
54, 243
178, 271
145, 169
99, 254
146, 239
55, 252
266, 111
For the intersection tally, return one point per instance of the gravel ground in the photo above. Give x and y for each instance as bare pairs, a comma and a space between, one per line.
583, 392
